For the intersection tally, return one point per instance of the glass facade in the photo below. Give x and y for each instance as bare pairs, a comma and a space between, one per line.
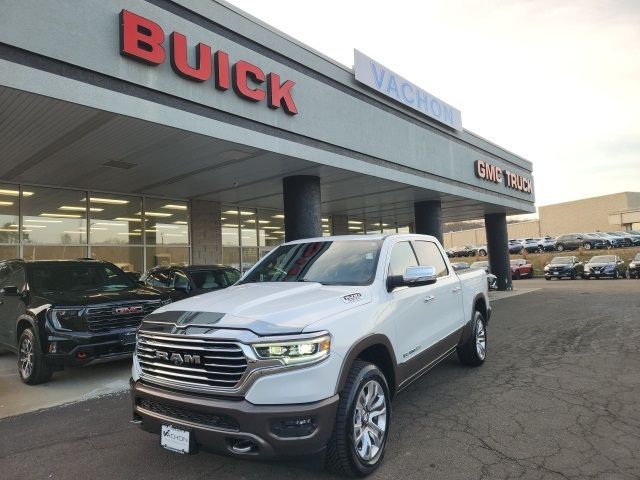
135, 233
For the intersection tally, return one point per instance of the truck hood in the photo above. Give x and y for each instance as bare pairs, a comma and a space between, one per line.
270, 308
93, 297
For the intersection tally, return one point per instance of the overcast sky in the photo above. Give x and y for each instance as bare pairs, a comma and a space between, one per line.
555, 81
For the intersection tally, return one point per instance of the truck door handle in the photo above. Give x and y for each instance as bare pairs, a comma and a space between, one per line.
456, 290
429, 298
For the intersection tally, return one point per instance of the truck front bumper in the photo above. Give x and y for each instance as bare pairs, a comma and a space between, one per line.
236, 426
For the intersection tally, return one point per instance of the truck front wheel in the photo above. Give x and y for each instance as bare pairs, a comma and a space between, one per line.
360, 433
474, 350
31, 365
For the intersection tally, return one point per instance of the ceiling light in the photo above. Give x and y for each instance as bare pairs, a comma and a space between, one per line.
271, 228
230, 225
74, 231
271, 238
325, 226
80, 209
156, 214
354, 228
98, 228
171, 206
110, 224
278, 216
182, 222
279, 231
60, 215
5, 204
14, 193
325, 219
30, 226
174, 235
259, 221
131, 234
111, 201
128, 219
41, 221
162, 225
235, 212
355, 222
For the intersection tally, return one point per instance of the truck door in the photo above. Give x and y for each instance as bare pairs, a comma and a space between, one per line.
446, 314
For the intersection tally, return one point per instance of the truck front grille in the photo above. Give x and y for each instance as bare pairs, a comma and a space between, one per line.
107, 317
188, 415
194, 363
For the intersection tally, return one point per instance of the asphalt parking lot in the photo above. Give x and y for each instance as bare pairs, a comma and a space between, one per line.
559, 397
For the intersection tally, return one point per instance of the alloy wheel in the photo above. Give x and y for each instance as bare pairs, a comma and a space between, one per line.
26, 358
481, 340
370, 421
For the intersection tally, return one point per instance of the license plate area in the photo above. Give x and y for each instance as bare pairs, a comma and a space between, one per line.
175, 439
128, 338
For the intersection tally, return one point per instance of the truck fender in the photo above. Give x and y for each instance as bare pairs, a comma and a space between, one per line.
387, 364
467, 329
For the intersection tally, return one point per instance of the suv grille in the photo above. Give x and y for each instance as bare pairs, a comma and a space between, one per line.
188, 415
104, 317
190, 362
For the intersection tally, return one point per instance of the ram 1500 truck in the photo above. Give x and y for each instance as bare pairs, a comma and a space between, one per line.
308, 349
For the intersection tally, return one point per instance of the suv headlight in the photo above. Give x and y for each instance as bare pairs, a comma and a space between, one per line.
295, 352
66, 318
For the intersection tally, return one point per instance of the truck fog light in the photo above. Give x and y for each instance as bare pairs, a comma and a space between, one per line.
294, 427
53, 347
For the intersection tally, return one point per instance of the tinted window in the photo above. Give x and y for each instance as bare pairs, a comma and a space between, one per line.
213, 279
402, 256
179, 280
330, 263
158, 279
429, 254
77, 278
17, 278
4, 274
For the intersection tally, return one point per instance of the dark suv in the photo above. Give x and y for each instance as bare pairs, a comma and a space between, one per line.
574, 241
558, 267
182, 282
69, 312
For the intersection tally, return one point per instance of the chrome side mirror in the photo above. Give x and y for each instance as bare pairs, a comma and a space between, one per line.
421, 275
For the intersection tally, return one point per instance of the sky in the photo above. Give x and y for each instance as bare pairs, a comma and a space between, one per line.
554, 81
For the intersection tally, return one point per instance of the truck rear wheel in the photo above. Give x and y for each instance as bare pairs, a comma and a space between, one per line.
31, 366
474, 350
360, 433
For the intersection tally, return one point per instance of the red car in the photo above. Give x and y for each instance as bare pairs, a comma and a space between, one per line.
520, 268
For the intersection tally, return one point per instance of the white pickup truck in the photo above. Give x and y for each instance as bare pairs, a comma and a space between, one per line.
307, 350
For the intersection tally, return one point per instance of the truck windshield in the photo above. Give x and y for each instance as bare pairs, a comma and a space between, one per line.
77, 278
348, 262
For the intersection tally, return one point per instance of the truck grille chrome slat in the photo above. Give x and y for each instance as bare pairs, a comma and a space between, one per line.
103, 318
172, 361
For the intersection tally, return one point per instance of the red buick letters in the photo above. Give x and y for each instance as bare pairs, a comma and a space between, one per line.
143, 40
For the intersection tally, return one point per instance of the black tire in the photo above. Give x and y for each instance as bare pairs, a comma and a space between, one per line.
560, 247
616, 274
530, 274
586, 246
574, 274
482, 253
547, 278
342, 456
516, 275
469, 352
31, 365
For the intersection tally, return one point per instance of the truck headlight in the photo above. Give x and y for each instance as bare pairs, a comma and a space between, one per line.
66, 318
295, 352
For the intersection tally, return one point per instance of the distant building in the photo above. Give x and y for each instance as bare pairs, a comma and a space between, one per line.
618, 211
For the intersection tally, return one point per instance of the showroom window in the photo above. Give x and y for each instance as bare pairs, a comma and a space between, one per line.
135, 233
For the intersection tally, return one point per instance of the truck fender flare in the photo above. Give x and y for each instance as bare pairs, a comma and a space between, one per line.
25, 319
467, 329
361, 346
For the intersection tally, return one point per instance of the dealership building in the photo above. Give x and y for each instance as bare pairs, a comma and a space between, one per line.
149, 132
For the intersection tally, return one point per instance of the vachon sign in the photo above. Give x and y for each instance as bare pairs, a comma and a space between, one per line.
143, 40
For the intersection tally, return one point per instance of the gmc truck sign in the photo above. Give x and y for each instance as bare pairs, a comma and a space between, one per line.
143, 40
493, 173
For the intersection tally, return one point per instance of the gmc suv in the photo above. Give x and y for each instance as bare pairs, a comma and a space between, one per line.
308, 349
69, 312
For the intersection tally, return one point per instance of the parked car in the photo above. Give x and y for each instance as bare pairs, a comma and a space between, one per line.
476, 250
626, 240
602, 266
69, 312
634, 240
547, 244
614, 241
520, 268
574, 241
180, 282
483, 264
563, 267
305, 353
515, 247
531, 245
459, 252
634, 267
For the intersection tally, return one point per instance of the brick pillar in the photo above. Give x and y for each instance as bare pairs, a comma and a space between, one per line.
206, 232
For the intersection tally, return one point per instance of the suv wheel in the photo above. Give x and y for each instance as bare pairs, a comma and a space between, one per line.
560, 247
616, 274
474, 350
362, 423
586, 246
482, 253
31, 365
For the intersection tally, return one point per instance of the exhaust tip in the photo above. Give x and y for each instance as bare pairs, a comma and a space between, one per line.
243, 446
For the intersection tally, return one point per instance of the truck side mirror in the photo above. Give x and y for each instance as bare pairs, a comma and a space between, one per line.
422, 275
